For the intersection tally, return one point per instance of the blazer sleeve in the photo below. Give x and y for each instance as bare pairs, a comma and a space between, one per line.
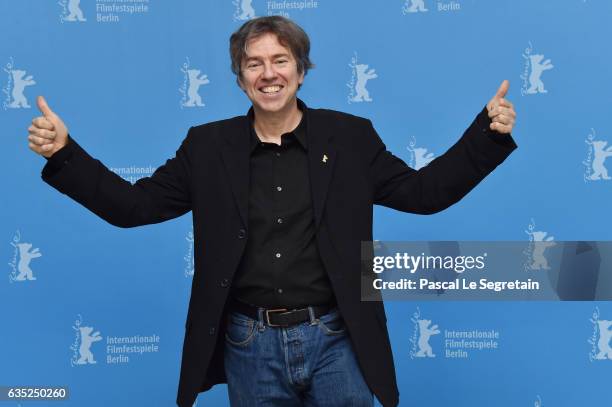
162, 196
446, 179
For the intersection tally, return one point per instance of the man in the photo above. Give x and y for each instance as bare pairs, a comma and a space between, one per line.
281, 200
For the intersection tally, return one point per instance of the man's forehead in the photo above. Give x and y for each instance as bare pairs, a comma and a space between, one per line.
252, 48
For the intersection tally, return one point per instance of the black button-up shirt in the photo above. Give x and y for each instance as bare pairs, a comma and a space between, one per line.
281, 266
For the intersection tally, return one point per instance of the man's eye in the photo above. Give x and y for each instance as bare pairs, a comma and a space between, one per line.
253, 65
281, 61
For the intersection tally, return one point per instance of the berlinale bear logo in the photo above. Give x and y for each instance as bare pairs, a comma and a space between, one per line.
601, 337
244, 10
605, 334
426, 332
360, 76
25, 257
195, 81
75, 12
537, 68
20, 81
414, 6
420, 156
87, 338
600, 153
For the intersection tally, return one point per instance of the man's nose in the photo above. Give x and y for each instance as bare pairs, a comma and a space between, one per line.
269, 71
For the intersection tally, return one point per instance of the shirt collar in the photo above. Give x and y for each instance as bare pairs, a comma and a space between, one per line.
299, 131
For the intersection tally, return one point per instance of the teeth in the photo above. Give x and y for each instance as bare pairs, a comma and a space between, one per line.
271, 89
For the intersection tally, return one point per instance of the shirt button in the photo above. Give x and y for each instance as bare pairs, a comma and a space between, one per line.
280, 290
278, 154
224, 282
241, 234
212, 330
278, 255
279, 220
279, 189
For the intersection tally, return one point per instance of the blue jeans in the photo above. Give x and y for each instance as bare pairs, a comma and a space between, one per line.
309, 364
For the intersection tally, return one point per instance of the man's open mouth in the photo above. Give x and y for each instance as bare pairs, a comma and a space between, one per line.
271, 89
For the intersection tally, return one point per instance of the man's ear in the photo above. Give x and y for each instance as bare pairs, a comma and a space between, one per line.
239, 82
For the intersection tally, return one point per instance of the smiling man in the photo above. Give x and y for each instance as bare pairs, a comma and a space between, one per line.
282, 199
270, 75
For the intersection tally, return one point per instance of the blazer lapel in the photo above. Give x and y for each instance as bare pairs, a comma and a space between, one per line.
236, 157
322, 158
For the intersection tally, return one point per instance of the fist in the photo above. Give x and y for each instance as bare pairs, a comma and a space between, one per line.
501, 111
48, 133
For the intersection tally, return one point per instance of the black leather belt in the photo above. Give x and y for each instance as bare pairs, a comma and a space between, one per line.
280, 317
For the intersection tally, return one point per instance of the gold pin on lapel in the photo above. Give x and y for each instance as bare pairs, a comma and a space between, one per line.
324, 158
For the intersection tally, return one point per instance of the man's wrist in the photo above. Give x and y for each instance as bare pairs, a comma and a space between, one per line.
483, 122
61, 157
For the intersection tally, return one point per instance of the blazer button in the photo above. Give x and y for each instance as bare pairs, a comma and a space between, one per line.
212, 330
241, 233
224, 282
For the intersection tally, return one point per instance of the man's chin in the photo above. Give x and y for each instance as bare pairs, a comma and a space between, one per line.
272, 106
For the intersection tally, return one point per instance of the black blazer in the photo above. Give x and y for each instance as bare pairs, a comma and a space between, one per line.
210, 176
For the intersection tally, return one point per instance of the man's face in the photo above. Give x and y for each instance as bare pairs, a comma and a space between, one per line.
269, 74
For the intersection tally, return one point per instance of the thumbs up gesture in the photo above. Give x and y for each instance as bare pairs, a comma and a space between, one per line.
48, 133
501, 111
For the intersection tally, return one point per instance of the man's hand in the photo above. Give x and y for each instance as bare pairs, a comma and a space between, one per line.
501, 111
48, 133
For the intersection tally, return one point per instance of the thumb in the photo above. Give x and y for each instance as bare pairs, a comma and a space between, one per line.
44, 108
503, 89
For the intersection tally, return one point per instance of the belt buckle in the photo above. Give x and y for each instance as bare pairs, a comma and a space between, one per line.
268, 315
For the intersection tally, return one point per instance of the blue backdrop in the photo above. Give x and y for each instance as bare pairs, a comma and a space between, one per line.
129, 77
